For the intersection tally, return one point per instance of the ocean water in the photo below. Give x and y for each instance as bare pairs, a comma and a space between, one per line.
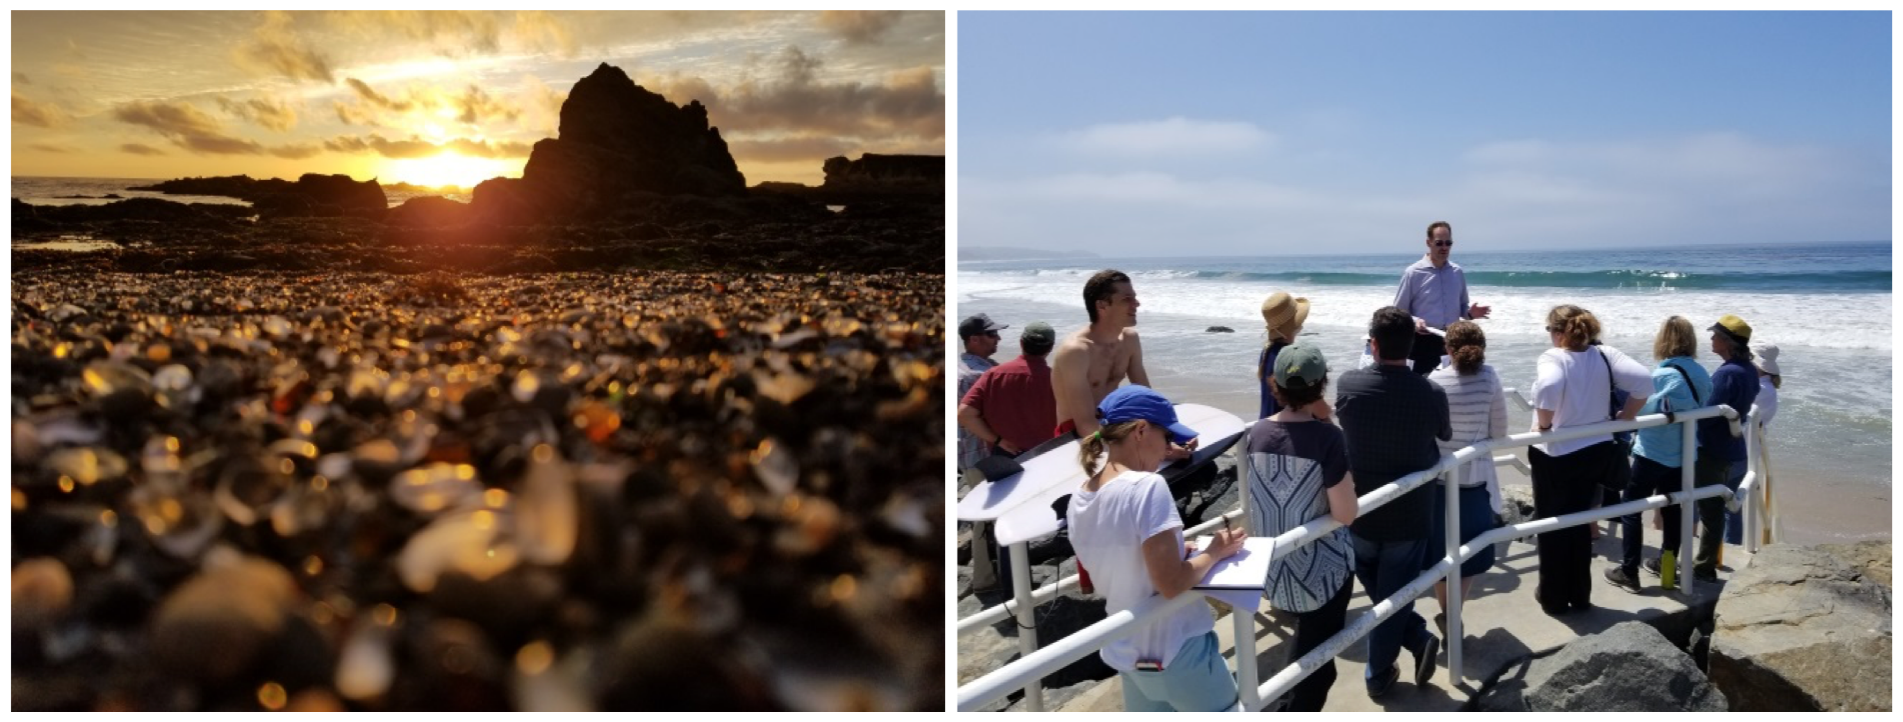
1828, 307
49, 191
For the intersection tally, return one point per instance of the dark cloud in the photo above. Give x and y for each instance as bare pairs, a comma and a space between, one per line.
378, 99
296, 151
794, 99
780, 150
419, 148
859, 27
185, 126
27, 111
140, 149
272, 48
21, 78
270, 114
50, 148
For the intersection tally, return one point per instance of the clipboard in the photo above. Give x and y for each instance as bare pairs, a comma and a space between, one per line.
1240, 580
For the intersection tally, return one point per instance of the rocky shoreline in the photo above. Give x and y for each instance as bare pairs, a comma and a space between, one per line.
344, 490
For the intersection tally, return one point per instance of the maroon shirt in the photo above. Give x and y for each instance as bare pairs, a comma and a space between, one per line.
1015, 400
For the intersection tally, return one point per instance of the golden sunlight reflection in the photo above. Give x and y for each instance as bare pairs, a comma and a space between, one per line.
447, 169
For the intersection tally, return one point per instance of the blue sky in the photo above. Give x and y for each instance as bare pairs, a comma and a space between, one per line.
1272, 133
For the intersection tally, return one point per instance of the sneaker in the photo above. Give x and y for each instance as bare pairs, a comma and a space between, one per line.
1424, 661
1704, 576
1617, 576
1551, 611
1651, 566
1440, 621
1383, 682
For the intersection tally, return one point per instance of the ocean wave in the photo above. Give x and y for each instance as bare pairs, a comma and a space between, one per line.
1635, 280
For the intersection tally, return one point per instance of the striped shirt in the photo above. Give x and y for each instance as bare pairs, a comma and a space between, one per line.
1477, 407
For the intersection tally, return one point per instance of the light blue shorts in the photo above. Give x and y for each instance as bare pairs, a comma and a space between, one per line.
1197, 680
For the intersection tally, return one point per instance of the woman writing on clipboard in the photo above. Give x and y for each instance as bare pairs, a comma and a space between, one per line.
1125, 529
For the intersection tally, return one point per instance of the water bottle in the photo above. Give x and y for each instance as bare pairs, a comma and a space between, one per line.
1668, 570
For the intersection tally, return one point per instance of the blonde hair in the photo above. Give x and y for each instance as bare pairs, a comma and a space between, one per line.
1575, 324
1094, 444
1676, 338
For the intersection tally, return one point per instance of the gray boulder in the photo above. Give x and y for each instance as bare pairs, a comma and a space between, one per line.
1630, 667
1807, 629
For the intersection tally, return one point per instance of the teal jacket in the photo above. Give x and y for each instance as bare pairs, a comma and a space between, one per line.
1665, 444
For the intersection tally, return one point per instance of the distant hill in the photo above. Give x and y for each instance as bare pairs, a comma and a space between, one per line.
1008, 253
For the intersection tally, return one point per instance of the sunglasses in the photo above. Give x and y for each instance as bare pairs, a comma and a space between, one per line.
1442, 244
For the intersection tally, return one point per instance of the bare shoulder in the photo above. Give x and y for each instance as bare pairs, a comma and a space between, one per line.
1074, 346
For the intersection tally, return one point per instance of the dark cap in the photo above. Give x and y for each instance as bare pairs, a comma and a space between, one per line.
1733, 327
978, 325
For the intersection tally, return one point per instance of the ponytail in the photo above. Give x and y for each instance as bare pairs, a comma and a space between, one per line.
1090, 446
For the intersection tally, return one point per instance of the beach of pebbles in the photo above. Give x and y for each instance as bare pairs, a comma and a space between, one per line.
564, 491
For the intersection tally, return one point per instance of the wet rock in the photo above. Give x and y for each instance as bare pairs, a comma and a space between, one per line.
1793, 622
42, 593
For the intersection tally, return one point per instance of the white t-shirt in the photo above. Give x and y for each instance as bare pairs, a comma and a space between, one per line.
1767, 401
1107, 529
1572, 384
1477, 406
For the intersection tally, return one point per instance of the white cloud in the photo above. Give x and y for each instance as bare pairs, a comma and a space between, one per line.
1176, 136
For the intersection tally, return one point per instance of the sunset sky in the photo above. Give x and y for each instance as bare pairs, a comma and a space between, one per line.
453, 97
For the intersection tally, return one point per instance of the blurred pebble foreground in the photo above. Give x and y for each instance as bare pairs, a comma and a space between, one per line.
581, 491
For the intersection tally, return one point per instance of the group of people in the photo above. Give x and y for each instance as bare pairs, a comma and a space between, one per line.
1427, 392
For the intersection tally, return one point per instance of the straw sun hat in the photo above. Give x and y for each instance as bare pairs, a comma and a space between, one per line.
1283, 315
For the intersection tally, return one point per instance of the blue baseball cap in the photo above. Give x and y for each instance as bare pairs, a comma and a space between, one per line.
1132, 402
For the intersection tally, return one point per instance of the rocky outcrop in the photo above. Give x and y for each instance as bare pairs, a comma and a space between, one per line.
312, 196
1807, 629
616, 138
428, 212
1630, 667
892, 173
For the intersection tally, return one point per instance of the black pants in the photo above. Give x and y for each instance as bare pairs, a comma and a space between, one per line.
1311, 630
1711, 471
1563, 485
1428, 349
1650, 477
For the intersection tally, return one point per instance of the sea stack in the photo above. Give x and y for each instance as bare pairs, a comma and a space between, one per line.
617, 138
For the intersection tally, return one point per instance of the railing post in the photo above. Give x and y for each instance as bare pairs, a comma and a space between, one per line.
1452, 607
1246, 675
1027, 619
1752, 521
1689, 476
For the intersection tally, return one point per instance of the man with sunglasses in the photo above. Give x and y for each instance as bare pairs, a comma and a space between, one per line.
1434, 292
980, 335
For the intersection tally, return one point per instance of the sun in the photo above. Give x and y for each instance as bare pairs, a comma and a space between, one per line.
447, 169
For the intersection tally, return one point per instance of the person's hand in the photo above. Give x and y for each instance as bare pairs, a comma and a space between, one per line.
1420, 325
1226, 543
1006, 446
1478, 311
1179, 452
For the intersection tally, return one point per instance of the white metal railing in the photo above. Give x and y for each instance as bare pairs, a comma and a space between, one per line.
1028, 670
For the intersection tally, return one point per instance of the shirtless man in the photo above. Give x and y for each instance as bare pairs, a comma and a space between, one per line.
1091, 363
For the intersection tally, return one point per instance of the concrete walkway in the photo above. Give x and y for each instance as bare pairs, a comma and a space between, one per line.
1503, 623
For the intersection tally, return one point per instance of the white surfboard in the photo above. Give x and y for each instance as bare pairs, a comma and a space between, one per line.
1028, 513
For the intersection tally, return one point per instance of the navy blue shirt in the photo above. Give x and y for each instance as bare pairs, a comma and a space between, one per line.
1734, 384
1265, 367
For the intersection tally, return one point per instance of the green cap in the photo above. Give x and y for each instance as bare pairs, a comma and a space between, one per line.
1040, 333
1299, 364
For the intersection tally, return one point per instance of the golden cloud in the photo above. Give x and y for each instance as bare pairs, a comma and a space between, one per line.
27, 111
274, 49
464, 32
378, 99
793, 100
185, 126
419, 148
271, 114
140, 149
859, 27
